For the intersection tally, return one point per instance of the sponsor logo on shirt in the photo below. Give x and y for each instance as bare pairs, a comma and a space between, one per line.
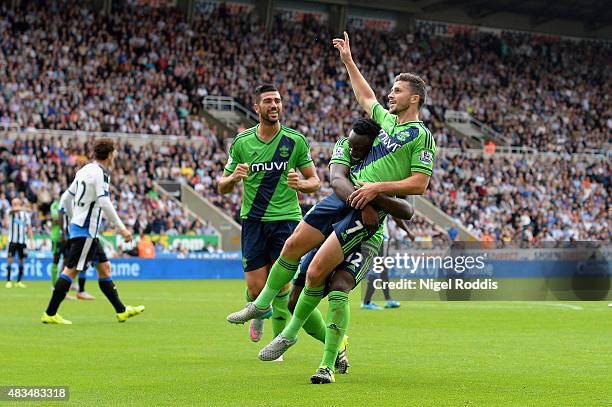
269, 166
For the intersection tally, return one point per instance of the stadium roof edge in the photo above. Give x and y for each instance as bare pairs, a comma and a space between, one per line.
583, 18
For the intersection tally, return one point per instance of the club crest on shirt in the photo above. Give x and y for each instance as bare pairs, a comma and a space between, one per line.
284, 151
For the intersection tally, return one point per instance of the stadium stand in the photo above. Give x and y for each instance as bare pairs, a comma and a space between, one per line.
144, 70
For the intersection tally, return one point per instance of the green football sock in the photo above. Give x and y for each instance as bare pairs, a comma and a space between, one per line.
281, 273
307, 302
280, 312
315, 325
53, 273
338, 316
248, 296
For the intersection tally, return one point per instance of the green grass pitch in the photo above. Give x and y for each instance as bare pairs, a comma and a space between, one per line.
181, 351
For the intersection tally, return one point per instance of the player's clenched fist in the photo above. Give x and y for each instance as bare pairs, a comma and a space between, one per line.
241, 172
344, 47
293, 179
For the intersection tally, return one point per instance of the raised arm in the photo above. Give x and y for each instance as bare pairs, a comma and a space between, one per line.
363, 92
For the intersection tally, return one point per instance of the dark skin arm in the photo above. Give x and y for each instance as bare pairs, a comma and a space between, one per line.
399, 208
402, 225
343, 187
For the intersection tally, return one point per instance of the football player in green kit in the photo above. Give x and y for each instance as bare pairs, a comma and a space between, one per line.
265, 159
399, 164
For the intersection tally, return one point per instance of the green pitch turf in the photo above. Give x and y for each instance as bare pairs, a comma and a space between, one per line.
181, 351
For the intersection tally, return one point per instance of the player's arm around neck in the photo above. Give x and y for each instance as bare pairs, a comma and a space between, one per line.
311, 182
363, 92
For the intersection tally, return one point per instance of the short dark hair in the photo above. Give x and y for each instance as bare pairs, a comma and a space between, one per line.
366, 127
417, 84
102, 147
261, 89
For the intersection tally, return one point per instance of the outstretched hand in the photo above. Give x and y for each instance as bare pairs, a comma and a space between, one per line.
344, 47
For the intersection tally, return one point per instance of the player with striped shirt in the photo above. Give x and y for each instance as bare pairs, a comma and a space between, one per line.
84, 201
20, 224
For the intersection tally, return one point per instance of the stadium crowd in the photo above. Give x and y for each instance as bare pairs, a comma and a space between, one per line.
39, 169
503, 198
143, 70
147, 70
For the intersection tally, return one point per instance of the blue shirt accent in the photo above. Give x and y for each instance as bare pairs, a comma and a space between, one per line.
78, 231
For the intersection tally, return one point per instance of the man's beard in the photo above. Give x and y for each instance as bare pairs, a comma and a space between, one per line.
267, 120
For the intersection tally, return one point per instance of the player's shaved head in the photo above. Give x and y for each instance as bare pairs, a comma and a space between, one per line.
103, 147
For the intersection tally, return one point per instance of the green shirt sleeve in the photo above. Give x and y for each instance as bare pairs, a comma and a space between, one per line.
423, 154
304, 159
385, 119
233, 159
55, 210
341, 153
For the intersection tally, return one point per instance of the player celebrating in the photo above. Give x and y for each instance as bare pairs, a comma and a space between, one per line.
20, 221
399, 164
348, 152
84, 201
265, 158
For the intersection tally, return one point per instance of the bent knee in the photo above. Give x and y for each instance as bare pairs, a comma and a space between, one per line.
104, 270
292, 248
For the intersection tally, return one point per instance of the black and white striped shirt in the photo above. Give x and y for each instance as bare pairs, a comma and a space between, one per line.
20, 220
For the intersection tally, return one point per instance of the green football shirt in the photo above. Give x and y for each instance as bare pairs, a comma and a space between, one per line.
266, 196
56, 232
398, 151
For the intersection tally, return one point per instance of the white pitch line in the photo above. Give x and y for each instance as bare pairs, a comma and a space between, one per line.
568, 306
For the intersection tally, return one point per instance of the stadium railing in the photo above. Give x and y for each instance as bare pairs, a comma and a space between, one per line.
454, 116
136, 139
219, 105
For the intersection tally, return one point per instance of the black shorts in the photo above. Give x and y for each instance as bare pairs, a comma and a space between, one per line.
18, 249
357, 263
262, 242
333, 215
60, 248
83, 250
